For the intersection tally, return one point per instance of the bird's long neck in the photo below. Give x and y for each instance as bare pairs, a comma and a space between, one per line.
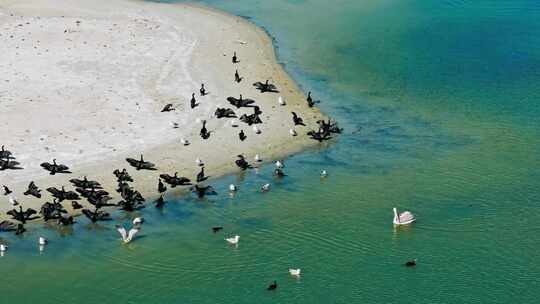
396, 216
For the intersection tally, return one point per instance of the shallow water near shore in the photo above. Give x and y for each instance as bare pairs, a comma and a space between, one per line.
439, 102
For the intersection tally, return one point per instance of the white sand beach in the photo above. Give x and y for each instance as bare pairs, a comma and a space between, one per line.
84, 82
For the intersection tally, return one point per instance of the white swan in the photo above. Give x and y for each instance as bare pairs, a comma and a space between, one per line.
265, 188
127, 236
184, 141
234, 240
256, 130
12, 200
292, 132
42, 241
403, 218
281, 101
232, 188
257, 158
199, 162
234, 124
294, 272
138, 221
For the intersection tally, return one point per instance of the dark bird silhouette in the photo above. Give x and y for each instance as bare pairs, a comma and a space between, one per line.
20, 229
168, 107
279, 173
66, 220
62, 194
217, 229
411, 263
193, 102
141, 164
319, 136
265, 87
235, 59
5, 153
55, 168
85, 183
52, 210
237, 77
161, 186
298, 121
224, 113
310, 101
200, 176
23, 215
175, 180
9, 164
205, 134
202, 90
242, 135
160, 202
329, 127
76, 205
240, 102
272, 286
97, 215
7, 191
33, 190
122, 176
242, 163
6, 226
202, 191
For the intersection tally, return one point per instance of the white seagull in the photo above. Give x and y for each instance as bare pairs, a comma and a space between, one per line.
292, 132
184, 142
127, 236
281, 101
294, 272
265, 188
257, 158
199, 162
232, 188
3, 248
42, 241
234, 240
403, 218
138, 221
256, 130
234, 123
279, 164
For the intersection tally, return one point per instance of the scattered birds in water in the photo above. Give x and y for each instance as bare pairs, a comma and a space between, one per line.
279, 164
233, 240
294, 272
42, 241
202, 191
272, 286
159, 202
279, 173
3, 248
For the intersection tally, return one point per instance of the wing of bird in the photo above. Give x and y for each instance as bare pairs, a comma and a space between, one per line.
122, 232
131, 234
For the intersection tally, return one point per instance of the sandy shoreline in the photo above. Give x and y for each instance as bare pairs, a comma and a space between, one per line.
85, 82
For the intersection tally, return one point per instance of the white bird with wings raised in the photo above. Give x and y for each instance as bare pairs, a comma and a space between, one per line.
127, 236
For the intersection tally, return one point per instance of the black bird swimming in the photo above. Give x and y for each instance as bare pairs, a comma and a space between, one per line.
160, 202
122, 176
298, 121
141, 164
175, 180
55, 168
242, 135
75, 205
240, 102
216, 229
237, 77
411, 263
242, 163
193, 102
205, 134
279, 173
265, 87
96, 215
23, 215
272, 286
85, 183
201, 191
168, 107
235, 59
202, 90
7, 191
200, 176
6, 226
224, 112
33, 190
161, 187
62, 194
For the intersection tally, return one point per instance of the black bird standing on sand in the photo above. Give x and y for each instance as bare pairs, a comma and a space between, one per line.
200, 176
7, 191
234, 58
168, 107
193, 101
76, 205
202, 90
205, 134
242, 163
161, 187
242, 135
272, 286
298, 121
237, 77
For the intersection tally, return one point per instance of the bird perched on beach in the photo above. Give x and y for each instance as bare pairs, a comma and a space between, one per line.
256, 130
272, 286
202, 90
237, 77
298, 121
292, 132
235, 59
265, 87
200, 176
281, 101
242, 135
310, 101
193, 102
7, 191
184, 141
168, 107
12, 200
242, 163
233, 240
205, 134
33, 190
127, 236
257, 158
141, 164
75, 205
55, 168
161, 186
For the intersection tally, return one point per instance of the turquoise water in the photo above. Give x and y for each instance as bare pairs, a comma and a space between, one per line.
445, 96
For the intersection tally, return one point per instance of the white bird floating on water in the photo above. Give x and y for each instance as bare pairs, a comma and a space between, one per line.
403, 218
138, 221
256, 130
281, 101
184, 142
265, 188
199, 162
279, 164
232, 188
42, 241
257, 158
324, 173
234, 240
294, 272
12, 200
292, 132
234, 123
127, 236
3, 248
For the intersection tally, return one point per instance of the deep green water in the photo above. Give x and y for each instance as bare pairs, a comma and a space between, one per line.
445, 96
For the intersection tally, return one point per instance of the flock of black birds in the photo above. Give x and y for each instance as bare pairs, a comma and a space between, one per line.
131, 199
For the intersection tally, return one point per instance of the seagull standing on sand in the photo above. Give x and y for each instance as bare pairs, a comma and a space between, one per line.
281, 101
256, 130
292, 132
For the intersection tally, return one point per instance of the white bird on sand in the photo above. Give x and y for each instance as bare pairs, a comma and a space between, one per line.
292, 132
281, 101
184, 141
279, 164
234, 123
403, 218
265, 188
127, 236
256, 130
232, 188
294, 272
257, 158
199, 162
234, 240
138, 221
42, 241
12, 200
324, 173
3, 248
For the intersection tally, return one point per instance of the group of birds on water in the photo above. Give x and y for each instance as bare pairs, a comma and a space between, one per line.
132, 200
